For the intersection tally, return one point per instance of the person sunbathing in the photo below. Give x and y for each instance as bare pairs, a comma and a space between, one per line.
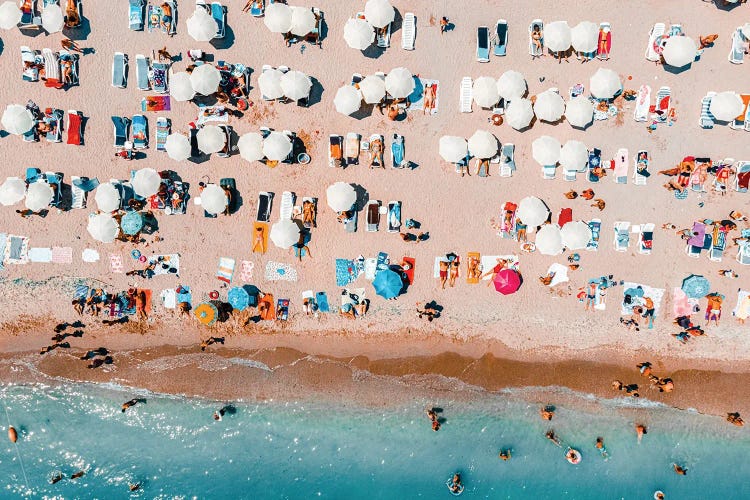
536, 38
259, 241
71, 14
599, 203
603, 41
429, 98
473, 268
453, 272
735, 418
682, 471
27, 7
571, 195
501, 264
166, 16
483, 163
588, 194
376, 153
707, 41
547, 412
308, 213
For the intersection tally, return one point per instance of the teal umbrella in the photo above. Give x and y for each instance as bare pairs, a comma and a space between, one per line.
238, 298
131, 223
388, 284
695, 286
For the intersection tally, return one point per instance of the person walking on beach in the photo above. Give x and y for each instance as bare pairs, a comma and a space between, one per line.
69, 44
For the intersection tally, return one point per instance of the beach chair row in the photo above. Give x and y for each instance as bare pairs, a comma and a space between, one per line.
741, 122
50, 124
343, 152
60, 69
151, 76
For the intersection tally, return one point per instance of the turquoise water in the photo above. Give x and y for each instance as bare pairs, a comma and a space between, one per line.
172, 446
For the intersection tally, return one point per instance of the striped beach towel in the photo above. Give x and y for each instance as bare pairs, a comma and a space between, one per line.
225, 272
62, 255
278, 271
246, 271
115, 263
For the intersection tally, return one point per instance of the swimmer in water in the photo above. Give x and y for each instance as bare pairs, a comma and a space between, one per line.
552, 437
547, 412
56, 478
456, 483
132, 402
682, 471
640, 429
134, 487
78, 474
504, 455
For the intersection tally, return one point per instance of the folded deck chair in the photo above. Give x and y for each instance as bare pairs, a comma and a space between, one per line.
75, 127
136, 11
501, 37
225, 271
219, 13
287, 205
622, 236
119, 70
265, 202
397, 151
163, 128
158, 77
33, 60
596, 228
533, 50
335, 150
408, 31
314, 201
51, 65
483, 44
140, 132
352, 148
373, 216
142, 68
605, 41
653, 51
384, 37
642, 104
707, 119
394, 216
508, 161
122, 127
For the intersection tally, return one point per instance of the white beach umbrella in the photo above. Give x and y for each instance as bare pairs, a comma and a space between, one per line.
38, 196
519, 113
180, 87
484, 91
579, 111
270, 83
17, 120
205, 79
296, 85
146, 182
211, 139
575, 235
726, 106
605, 83
372, 88
359, 34
341, 196
202, 26
511, 85
549, 240
679, 51
278, 18
399, 83
453, 148
746, 30
483, 144
545, 150
303, 21
532, 211
107, 197
549, 106
284, 233
10, 15
557, 36
379, 13
348, 100
574, 155
277, 146
103, 227
52, 18
584, 37
178, 147
12, 191
251, 146
214, 199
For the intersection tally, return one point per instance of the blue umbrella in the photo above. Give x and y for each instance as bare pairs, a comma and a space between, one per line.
238, 298
695, 286
388, 284
131, 223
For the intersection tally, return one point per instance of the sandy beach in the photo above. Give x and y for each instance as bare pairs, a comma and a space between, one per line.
535, 337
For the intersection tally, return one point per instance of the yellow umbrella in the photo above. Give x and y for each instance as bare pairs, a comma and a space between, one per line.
206, 313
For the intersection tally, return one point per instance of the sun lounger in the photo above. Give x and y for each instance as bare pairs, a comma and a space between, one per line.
226, 151
483, 44
51, 65
350, 225
622, 236
719, 244
33, 174
315, 37
140, 132
119, 70
501, 37
225, 270
743, 253
137, 8
55, 179
663, 102
122, 127
508, 224
384, 37
335, 150
742, 176
737, 49
595, 161
641, 162
258, 8
642, 104
352, 148
653, 52
394, 216
219, 13
408, 31
30, 60
548, 172
605, 41
507, 161
621, 166
265, 203
645, 239
473, 259
397, 151
533, 50
707, 119
741, 121
65, 58
75, 124
596, 228
373, 216
314, 201
54, 118
78, 195
163, 129
77, 24
29, 16
466, 94
142, 69
287, 205
158, 77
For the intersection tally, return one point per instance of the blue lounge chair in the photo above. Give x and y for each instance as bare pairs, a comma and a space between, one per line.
122, 126
483, 44
258, 8
501, 34
397, 149
33, 174
119, 70
394, 216
596, 228
141, 71
140, 132
29, 18
219, 13
137, 8
595, 160
158, 78
55, 182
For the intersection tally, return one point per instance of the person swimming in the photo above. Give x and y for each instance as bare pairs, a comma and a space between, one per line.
504, 455
547, 412
552, 437
131, 403
455, 484
640, 430
682, 471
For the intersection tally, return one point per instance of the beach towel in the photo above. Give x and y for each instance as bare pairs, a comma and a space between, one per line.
270, 310
82, 291
636, 297
3, 243
282, 309
168, 298
410, 272
40, 255
90, 255
264, 227
371, 265
278, 271
246, 271
561, 274
469, 278
183, 294
147, 302
322, 300
348, 296
742, 309
345, 272
225, 271
416, 98
115, 263
212, 114
166, 264
156, 103
17, 250
62, 255
680, 304
490, 261
436, 265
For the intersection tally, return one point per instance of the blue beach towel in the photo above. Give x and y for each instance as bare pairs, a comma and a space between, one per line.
382, 260
183, 295
322, 300
82, 291
345, 272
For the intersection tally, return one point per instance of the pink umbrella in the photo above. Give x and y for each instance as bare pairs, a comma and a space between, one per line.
507, 281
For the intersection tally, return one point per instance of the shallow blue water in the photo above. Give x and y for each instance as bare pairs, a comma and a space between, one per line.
173, 448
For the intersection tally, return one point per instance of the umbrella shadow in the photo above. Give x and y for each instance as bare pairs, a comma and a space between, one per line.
81, 32
677, 71
226, 42
362, 197
364, 111
725, 6
316, 92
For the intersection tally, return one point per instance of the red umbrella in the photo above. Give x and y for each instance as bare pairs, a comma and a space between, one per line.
507, 281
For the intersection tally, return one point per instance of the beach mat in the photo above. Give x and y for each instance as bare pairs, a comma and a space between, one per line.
469, 256
156, 103
170, 264
416, 98
40, 255
345, 272
168, 298
225, 271
89, 255
410, 273
62, 255
16, 250
278, 271
561, 274
742, 309
115, 263
489, 261
270, 313
183, 294
322, 300
656, 295
246, 271
263, 226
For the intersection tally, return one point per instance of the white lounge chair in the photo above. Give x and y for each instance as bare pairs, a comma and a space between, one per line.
656, 32
51, 65
622, 236
286, 208
466, 95
642, 103
737, 49
533, 50
373, 216
507, 161
548, 171
408, 31
743, 253
30, 74
569, 175
78, 195
119, 68
621, 166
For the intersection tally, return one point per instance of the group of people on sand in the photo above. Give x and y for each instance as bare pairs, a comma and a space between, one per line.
587, 194
449, 269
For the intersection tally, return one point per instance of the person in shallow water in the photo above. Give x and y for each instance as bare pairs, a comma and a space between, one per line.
504, 455
132, 402
682, 471
456, 483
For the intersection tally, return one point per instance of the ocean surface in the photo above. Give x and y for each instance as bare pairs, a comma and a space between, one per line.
173, 448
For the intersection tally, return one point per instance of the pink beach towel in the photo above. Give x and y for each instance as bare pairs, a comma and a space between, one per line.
681, 305
115, 263
246, 271
62, 255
